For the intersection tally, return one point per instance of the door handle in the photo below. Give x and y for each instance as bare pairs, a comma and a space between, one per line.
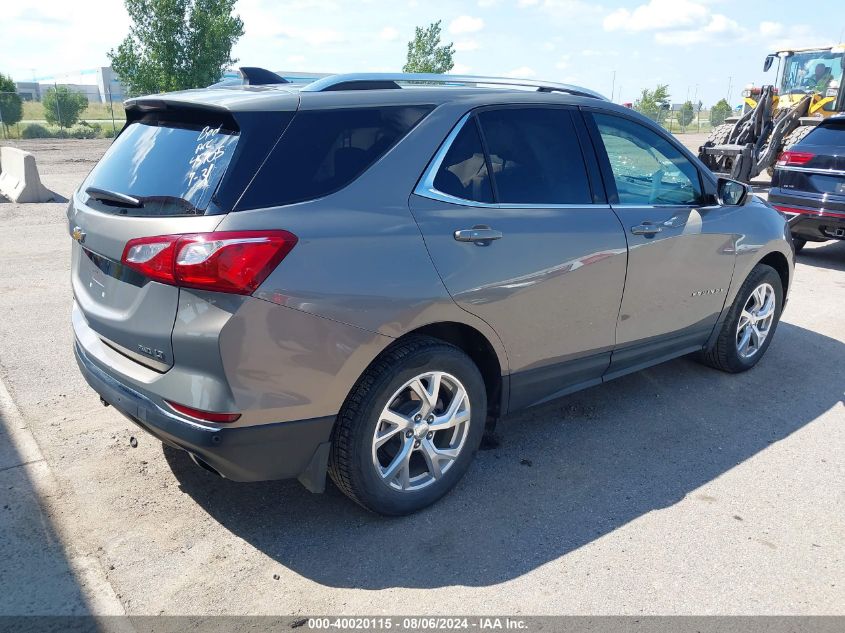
646, 228
480, 234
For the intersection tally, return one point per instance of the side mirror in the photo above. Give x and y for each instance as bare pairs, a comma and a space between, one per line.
768, 63
731, 193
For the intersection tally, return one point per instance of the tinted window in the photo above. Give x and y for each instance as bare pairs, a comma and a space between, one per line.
463, 172
647, 168
535, 156
828, 134
322, 151
171, 169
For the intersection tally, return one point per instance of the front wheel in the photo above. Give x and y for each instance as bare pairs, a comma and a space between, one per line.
410, 428
750, 324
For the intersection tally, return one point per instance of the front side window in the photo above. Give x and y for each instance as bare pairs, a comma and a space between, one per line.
535, 156
463, 172
322, 151
647, 169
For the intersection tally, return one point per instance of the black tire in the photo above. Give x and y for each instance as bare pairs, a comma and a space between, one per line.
799, 243
351, 464
796, 136
723, 354
719, 134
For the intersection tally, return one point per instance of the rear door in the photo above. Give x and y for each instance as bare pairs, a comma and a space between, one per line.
681, 243
157, 178
535, 250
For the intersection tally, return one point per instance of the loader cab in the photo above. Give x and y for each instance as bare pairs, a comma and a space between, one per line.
811, 71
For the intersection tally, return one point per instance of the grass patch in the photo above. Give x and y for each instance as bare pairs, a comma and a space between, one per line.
34, 111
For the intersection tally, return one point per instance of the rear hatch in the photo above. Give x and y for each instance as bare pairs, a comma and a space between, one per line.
816, 165
175, 168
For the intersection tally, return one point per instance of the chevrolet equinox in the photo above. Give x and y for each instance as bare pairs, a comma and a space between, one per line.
357, 276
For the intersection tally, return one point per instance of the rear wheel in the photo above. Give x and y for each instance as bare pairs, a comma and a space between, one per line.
798, 243
750, 324
410, 427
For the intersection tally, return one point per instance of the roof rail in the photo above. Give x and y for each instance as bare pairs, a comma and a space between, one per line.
378, 80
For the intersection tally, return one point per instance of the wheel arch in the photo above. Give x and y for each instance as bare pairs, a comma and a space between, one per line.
482, 352
778, 261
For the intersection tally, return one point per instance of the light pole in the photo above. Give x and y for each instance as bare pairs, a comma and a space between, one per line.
613, 86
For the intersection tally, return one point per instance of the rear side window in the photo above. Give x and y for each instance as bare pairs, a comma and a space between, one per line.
535, 156
463, 172
322, 151
828, 134
172, 169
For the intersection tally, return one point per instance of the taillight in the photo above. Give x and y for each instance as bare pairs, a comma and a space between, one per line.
224, 261
205, 416
795, 158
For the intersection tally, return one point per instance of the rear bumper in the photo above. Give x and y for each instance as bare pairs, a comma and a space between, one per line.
815, 219
277, 450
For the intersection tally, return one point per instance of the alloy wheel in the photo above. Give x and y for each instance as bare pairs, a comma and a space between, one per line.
421, 431
756, 320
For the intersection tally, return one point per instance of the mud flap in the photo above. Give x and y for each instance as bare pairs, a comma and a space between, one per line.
314, 475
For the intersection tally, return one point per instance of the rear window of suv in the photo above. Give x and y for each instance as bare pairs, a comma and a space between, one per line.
827, 134
322, 151
170, 168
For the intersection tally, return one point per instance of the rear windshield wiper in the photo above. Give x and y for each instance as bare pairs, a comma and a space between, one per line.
104, 195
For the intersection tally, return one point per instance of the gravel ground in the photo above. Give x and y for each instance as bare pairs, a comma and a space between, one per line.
676, 490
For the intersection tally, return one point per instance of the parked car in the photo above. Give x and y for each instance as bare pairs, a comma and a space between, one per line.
809, 184
361, 275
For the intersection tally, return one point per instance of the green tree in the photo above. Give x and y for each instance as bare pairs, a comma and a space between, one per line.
653, 103
176, 44
686, 115
426, 54
720, 112
63, 106
11, 108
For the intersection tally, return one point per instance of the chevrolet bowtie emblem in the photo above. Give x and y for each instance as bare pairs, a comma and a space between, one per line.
78, 234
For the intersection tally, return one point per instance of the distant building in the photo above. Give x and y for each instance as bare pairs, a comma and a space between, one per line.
99, 85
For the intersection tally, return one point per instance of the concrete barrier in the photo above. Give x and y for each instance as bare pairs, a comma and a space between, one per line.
19, 180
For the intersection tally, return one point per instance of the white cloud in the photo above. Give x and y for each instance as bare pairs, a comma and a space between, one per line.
591, 52
771, 28
677, 23
389, 33
521, 72
781, 36
720, 29
460, 69
313, 37
563, 62
486, 4
465, 24
467, 45
570, 10
295, 59
658, 15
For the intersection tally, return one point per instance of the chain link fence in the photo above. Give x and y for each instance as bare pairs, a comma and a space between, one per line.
62, 113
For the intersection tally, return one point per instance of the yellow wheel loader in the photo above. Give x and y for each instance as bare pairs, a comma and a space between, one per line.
808, 88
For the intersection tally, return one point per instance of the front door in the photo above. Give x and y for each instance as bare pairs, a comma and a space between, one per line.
681, 248
534, 250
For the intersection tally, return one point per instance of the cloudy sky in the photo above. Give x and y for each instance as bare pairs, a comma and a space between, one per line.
689, 44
